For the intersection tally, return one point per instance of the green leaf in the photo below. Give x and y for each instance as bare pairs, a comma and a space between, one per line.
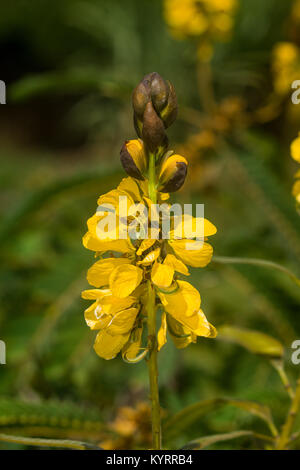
206, 441
254, 341
60, 443
58, 414
189, 415
35, 200
257, 262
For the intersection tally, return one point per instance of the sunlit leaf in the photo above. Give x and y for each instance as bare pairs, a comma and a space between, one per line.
255, 341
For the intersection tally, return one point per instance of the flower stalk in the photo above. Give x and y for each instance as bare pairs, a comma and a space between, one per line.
153, 369
287, 428
152, 361
135, 272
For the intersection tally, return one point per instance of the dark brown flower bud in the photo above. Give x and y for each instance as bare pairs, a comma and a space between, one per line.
153, 132
133, 158
138, 125
141, 96
159, 92
169, 113
155, 109
172, 174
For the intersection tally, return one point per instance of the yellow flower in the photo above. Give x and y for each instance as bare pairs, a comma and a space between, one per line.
114, 317
208, 19
182, 305
141, 259
133, 158
295, 153
285, 65
173, 173
295, 149
296, 190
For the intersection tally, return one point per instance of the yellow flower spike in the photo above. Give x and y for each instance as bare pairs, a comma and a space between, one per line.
108, 346
162, 275
176, 264
124, 279
133, 158
192, 252
295, 149
98, 274
162, 332
128, 288
172, 174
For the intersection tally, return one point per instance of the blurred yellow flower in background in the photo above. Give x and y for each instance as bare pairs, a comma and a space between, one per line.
131, 428
285, 65
295, 153
208, 20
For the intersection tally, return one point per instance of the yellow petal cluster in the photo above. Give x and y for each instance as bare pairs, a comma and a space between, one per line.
119, 277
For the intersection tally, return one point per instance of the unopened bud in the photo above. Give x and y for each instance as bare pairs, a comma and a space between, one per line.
169, 113
172, 174
153, 132
155, 109
133, 158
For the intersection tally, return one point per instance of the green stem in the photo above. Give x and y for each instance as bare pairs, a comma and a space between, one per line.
152, 178
153, 369
256, 262
29, 441
284, 378
287, 428
152, 341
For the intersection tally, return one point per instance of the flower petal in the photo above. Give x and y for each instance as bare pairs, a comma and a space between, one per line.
192, 252
145, 245
98, 274
176, 264
162, 332
122, 322
131, 349
124, 279
95, 317
95, 244
180, 335
181, 303
108, 346
162, 275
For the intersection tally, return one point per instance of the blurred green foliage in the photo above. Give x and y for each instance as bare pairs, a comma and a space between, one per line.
70, 68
